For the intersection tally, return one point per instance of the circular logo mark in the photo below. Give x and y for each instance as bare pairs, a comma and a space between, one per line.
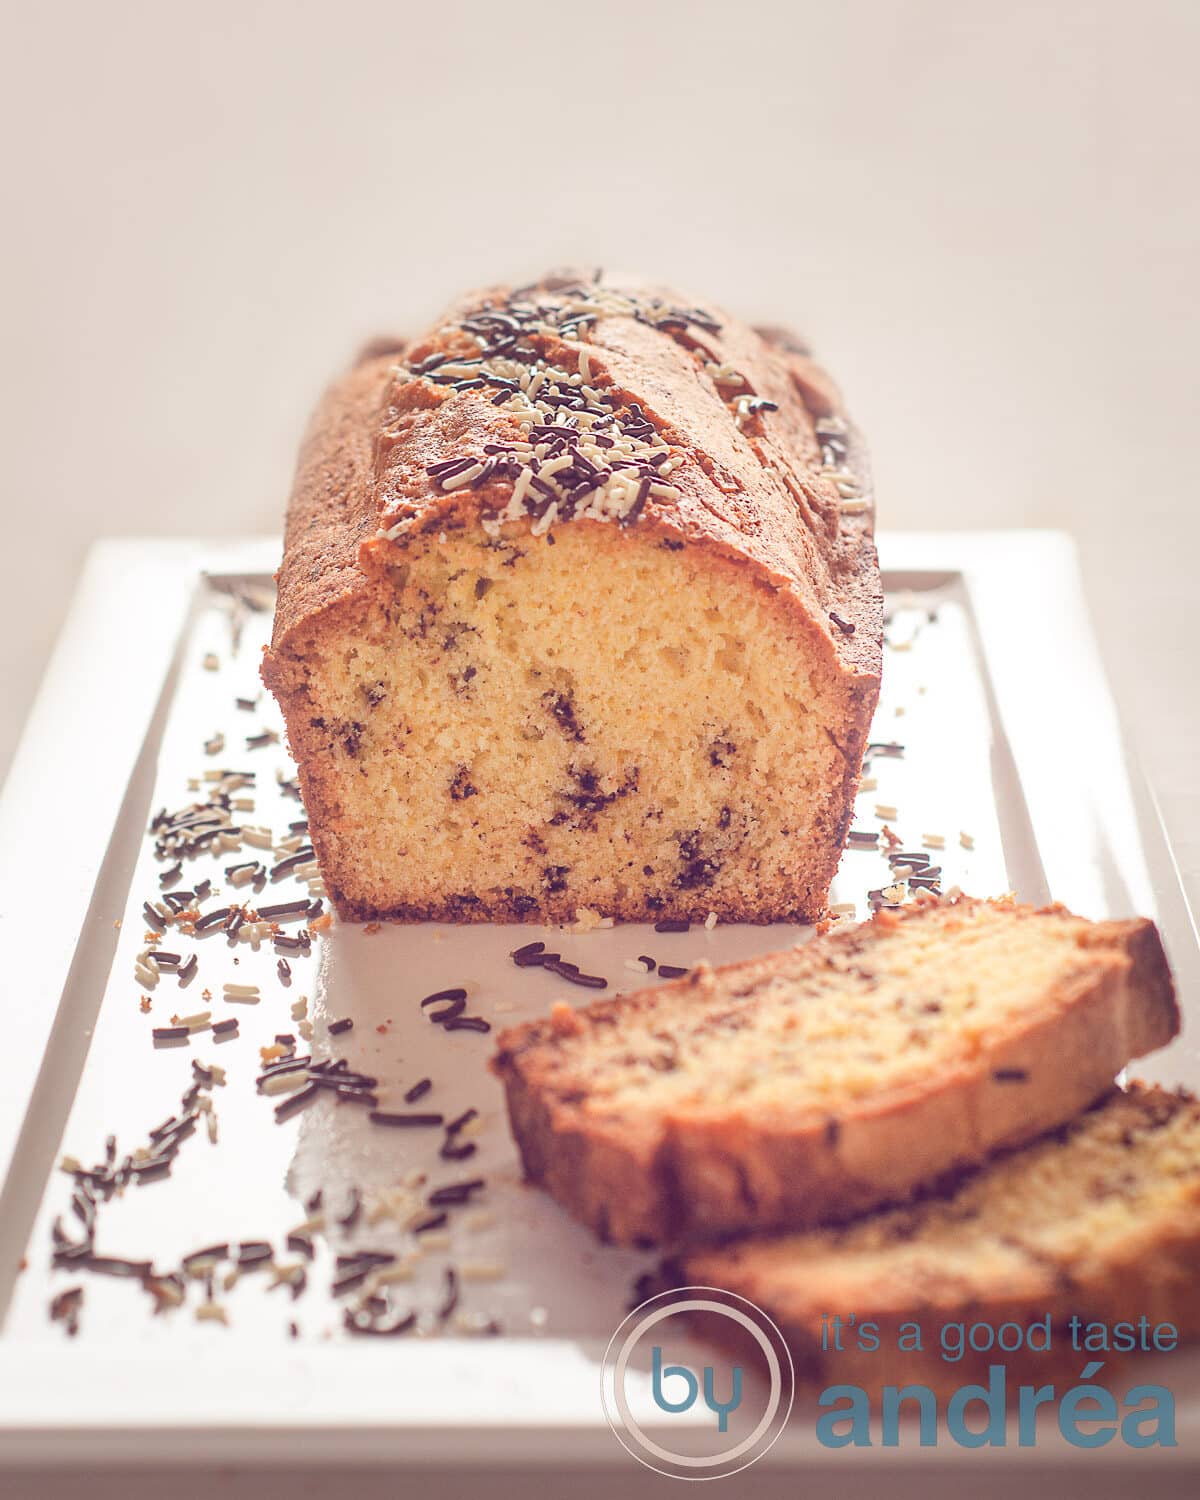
697, 1383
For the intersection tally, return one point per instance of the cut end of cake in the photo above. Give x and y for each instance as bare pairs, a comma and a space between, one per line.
509, 728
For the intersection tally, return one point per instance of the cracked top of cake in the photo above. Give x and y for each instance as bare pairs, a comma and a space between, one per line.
588, 398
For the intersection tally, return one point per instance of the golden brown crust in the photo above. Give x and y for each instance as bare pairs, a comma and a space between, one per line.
692, 1171
1147, 1270
763, 491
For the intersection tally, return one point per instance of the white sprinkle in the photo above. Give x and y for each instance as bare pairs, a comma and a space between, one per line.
456, 481
258, 838
636, 966
843, 909
541, 526
198, 1022
241, 991
711, 921
482, 1270
283, 1083
933, 841
211, 1312
966, 840
401, 1270
211, 661
314, 1224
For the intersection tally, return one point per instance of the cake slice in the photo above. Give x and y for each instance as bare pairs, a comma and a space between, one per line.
579, 606
1099, 1221
817, 1083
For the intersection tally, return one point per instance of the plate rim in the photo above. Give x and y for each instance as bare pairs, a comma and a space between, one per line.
110, 621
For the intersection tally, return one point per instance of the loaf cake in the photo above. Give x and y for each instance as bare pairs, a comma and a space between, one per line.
1100, 1221
579, 606
817, 1083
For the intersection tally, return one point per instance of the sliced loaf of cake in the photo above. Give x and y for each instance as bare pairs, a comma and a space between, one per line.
817, 1083
1099, 1221
579, 606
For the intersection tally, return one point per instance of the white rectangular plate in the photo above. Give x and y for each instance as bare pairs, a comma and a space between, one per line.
993, 688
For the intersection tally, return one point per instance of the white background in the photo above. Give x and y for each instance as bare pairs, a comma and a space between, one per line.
985, 217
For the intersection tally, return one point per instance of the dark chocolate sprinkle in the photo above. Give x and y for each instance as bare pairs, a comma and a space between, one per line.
282, 909
454, 1193
296, 1101
570, 972
387, 1117
449, 1300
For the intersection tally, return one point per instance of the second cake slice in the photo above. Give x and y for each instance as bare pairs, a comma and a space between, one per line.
814, 1084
